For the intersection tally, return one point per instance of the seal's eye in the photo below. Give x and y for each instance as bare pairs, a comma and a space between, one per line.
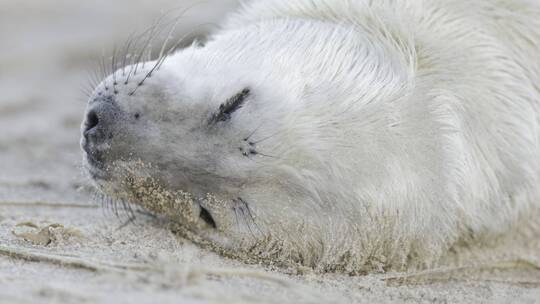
228, 107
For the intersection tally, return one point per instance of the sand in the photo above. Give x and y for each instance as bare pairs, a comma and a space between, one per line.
58, 245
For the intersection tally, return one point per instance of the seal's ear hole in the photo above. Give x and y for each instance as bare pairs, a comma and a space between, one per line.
137, 115
230, 106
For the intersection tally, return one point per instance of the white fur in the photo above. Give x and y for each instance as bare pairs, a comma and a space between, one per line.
396, 128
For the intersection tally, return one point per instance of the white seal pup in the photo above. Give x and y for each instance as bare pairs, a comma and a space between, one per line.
340, 135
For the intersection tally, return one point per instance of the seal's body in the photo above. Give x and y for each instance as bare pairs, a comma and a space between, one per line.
335, 134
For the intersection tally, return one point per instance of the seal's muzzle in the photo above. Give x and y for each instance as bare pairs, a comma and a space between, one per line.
97, 129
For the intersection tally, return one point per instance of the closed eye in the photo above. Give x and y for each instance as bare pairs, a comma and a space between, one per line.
230, 106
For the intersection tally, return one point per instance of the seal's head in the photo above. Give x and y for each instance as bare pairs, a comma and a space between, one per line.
247, 141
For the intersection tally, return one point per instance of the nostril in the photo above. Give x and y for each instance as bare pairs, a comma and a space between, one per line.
92, 121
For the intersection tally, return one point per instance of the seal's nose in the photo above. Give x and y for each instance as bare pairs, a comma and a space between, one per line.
98, 126
91, 122
94, 125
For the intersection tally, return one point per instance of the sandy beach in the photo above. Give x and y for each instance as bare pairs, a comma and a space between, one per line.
60, 245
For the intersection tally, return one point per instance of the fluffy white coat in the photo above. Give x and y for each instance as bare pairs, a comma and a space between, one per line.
387, 130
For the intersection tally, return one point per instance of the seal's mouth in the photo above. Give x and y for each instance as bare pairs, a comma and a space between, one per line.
207, 217
136, 182
94, 165
94, 161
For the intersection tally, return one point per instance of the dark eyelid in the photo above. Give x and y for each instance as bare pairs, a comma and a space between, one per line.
229, 106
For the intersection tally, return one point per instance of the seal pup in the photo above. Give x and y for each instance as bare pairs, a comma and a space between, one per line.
340, 135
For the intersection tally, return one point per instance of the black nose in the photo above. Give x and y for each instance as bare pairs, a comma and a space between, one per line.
90, 132
91, 122
98, 125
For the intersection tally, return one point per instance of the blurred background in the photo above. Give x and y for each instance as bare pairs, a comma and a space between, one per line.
49, 49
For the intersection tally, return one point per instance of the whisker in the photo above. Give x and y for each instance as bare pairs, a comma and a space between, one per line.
176, 20
250, 214
244, 218
125, 224
253, 132
86, 89
113, 205
132, 56
126, 52
156, 66
173, 48
151, 36
104, 70
124, 206
88, 84
235, 209
113, 67
136, 60
95, 77
103, 201
267, 137
266, 155
160, 60
118, 208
